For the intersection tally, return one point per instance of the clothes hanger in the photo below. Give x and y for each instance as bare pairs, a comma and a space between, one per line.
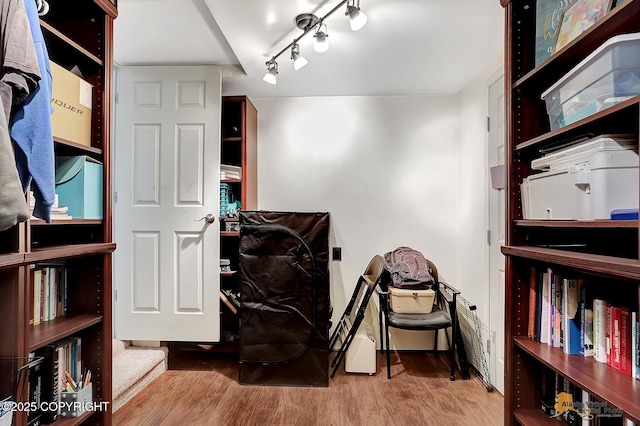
43, 7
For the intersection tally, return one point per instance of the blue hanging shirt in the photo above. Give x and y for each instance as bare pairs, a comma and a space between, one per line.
31, 129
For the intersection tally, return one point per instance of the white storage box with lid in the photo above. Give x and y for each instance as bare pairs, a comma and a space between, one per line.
608, 76
584, 182
409, 301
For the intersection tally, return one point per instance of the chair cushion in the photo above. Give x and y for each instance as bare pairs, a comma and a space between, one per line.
431, 321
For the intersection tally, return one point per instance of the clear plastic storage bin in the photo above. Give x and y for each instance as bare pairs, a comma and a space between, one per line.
608, 76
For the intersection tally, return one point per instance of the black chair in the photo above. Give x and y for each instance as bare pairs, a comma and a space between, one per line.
353, 315
442, 317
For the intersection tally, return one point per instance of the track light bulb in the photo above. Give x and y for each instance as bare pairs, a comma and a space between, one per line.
299, 61
357, 18
272, 72
320, 39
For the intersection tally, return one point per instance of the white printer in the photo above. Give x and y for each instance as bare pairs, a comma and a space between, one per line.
586, 181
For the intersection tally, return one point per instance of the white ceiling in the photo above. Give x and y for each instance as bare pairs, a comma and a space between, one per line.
408, 47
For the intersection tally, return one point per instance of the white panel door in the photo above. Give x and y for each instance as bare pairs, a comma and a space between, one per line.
167, 156
497, 227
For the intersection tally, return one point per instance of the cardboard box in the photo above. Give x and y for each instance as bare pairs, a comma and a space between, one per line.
79, 186
72, 101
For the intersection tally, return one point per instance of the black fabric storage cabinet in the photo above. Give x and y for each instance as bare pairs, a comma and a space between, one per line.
284, 292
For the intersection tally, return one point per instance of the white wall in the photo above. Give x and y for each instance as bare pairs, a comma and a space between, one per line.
392, 171
385, 167
473, 180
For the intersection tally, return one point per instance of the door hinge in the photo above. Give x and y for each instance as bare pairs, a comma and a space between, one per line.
115, 295
115, 196
489, 236
117, 97
488, 346
488, 124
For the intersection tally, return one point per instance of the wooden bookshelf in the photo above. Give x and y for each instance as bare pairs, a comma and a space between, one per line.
604, 252
78, 34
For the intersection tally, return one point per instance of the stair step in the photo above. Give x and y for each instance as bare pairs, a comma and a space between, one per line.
118, 346
133, 368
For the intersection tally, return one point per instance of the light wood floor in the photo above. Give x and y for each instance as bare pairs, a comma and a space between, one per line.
206, 392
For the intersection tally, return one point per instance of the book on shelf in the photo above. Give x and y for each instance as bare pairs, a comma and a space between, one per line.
557, 312
586, 421
59, 359
600, 330
233, 298
37, 377
49, 287
538, 313
635, 345
625, 340
545, 322
34, 311
228, 302
571, 326
586, 321
548, 392
50, 387
548, 14
533, 282
608, 333
57, 212
615, 337
573, 415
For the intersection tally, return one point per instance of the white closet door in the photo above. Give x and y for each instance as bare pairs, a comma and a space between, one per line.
167, 156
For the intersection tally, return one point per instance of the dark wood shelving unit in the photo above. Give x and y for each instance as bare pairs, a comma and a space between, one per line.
65, 252
38, 222
76, 146
620, 20
577, 223
229, 234
533, 417
239, 148
11, 260
59, 328
72, 421
232, 139
603, 381
606, 252
44, 25
593, 263
618, 117
76, 34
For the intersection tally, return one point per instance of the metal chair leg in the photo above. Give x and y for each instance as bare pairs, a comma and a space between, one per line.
452, 355
388, 352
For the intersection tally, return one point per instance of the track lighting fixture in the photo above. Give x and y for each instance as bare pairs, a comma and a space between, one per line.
357, 18
320, 41
307, 22
299, 61
272, 72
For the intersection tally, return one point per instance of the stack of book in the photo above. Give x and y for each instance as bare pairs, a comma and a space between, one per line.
564, 313
57, 212
62, 364
49, 290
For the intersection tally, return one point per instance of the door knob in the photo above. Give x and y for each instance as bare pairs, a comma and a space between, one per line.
208, 218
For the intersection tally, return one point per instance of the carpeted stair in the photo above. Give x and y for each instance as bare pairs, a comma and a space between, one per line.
134, 367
